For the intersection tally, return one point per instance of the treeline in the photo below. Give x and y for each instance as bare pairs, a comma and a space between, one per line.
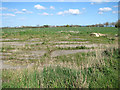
106, 24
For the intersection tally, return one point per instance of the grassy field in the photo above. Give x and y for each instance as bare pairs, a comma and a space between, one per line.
61, 57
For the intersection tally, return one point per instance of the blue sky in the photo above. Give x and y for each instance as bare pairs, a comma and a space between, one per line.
57, 13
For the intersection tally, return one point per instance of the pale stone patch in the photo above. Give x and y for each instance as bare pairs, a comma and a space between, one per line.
9, 39
27, 55
5, 65
65, 42
20, 43
68, 31
78, 39
97, 34
66, 52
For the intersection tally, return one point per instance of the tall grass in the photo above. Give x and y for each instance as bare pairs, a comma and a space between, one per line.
101, 71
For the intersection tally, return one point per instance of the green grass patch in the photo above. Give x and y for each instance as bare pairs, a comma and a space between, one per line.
74, 48
61, 77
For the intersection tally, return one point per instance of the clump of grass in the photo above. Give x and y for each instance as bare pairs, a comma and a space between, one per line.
75, 48
105, 76
78, 58
6, 48
61, 77
22, 79
50, 77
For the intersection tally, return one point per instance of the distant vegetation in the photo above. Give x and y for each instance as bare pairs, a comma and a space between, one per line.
106, 24
117, 24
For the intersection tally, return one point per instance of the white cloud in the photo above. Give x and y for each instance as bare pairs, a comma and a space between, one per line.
46, 14
84, 8
19, 12
70, 11
29, 12
92, 3
12, 10
51, 7
24, 10
105, 9
60, 13
51, 14
114, 12
7, 14
74, 11
100, 12
116, 6
61, 0
3, 8
100, 0
39, 7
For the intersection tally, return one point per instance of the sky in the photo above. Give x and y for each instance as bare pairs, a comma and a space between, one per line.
57, 13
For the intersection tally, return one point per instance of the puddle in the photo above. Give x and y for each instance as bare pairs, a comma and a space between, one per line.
66, 52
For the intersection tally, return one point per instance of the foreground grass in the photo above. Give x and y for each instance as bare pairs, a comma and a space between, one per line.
103, 74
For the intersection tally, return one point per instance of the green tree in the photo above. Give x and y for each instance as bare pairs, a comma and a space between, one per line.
117, 25
106, 24
67, 26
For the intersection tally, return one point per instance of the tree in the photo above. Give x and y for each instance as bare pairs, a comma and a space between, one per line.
67, 26
117, 25
46, 25
100, 25
112, 23
96, 25
106, 24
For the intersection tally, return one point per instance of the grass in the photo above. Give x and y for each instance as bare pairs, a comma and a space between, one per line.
78, 58
74, 48
60, 77
97, 69
97, 76
47, 34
